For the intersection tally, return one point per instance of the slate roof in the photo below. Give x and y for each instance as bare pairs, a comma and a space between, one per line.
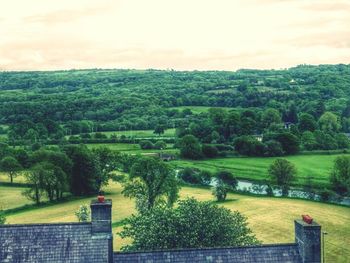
70, 243
287, 253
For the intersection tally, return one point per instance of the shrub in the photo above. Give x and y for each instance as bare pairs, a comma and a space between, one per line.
83, 213
205, 177
160, 145
325, 195
209, 151
220, 191
146, 145
2, 218
188, 175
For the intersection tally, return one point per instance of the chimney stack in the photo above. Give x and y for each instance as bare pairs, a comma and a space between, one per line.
101, 216
308, 238
101, 222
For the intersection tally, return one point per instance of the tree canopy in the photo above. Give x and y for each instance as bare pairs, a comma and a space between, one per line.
191, 224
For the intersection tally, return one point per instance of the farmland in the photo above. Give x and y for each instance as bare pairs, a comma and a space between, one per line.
140, 134
131, 148
318, 166
270, 225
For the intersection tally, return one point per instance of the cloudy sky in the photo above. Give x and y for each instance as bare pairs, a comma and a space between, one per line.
177, 34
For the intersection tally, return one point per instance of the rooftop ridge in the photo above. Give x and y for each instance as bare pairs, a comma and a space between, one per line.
45, 224
207, 248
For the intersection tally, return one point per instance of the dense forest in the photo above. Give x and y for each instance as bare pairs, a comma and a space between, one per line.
261, 113
312, 99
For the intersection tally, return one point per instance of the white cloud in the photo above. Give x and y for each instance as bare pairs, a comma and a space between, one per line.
181, 34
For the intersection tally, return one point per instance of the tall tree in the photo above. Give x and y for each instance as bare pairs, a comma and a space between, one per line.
192, 224
83, 179
11, 166
190, 147
106, 161
152, 182
282, 172
340, 175
329, 122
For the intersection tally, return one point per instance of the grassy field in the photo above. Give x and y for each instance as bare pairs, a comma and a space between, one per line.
316, 165
131, 148
168, 133
270, 225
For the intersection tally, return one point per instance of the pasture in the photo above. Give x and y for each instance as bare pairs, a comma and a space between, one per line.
131, 148
168, 133
318, 166
271, 219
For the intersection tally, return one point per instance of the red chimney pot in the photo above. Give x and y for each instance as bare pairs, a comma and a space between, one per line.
307, 219
101, 198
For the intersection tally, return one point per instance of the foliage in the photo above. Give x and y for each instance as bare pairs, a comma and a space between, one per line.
106, 161
160, 145
11, 166
340, 176
248, 145
225, 182
159, 129
83, 213
282, 172
146, 144
190, 147
220, 191
2, 218
153, 180
329, 122
192, 224
84, 176
209, 151
190, 176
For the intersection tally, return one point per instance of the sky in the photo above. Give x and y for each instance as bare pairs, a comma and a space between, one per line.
172, 34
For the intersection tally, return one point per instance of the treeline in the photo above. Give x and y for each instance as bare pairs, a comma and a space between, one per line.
108, 100
263, 132
55, 172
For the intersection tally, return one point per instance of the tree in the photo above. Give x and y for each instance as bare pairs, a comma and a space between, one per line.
307, 123
340, 175
159, 129
84, 180
49, 178
160, 145
329, 122
290, 143
220, 191
11, 166
83, 213
209, 151
273, 148
34, 178
190, 147
152, 180
343, 141
146, 144
308, 141
106, 161
225, 182
192, 224
270, 116
248, 145
282, 172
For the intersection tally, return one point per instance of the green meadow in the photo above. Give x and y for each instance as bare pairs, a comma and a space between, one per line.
318, 166
168, 133
270, 225
131, 148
